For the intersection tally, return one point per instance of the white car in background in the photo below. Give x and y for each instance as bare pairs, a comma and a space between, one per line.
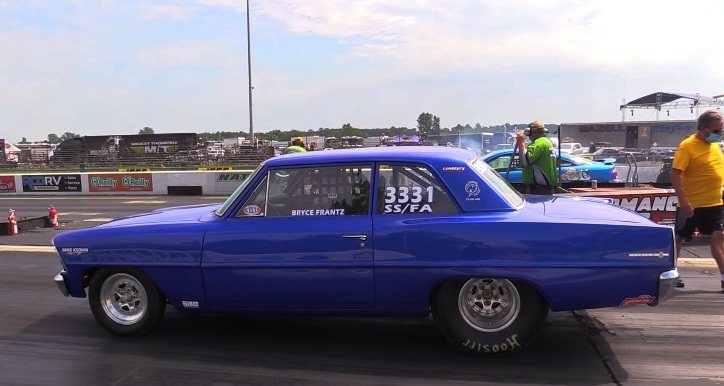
572, 148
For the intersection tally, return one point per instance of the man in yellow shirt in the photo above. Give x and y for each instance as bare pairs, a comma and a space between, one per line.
697, 176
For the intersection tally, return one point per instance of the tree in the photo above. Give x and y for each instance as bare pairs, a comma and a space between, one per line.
25, 140
435, 125
52, 138
68, 135
428, 124
348, 130
424, 123
146, 130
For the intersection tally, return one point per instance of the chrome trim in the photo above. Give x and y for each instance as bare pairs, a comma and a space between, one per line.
667, 281
361, 237
60, 282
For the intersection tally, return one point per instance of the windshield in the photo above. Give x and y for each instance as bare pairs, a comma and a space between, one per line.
225, 206
497, 182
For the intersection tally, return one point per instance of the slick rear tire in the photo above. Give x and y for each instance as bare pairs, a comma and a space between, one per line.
125, 301
488, 317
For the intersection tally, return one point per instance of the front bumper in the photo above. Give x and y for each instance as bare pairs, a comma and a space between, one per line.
667, 281
60, 282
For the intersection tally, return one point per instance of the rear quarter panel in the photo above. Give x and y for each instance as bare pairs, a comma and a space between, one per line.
574, 265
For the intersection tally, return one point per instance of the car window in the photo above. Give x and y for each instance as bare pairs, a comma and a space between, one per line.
311, 191
411, 189
225, 206
495, 181
501, 163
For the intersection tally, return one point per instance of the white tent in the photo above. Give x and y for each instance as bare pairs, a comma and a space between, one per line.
12, 153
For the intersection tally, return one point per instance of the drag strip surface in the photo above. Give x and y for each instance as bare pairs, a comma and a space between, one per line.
46, 338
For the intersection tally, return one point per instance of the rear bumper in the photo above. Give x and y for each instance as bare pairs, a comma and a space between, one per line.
60, 282
667, 281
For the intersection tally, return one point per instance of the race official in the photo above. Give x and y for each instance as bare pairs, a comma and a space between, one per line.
697, 176
538, 160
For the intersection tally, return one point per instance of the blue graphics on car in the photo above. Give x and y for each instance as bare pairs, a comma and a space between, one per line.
384, 231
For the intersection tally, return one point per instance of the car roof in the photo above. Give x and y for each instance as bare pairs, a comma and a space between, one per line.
431, 154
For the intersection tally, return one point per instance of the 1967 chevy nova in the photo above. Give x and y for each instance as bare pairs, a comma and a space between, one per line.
374, 232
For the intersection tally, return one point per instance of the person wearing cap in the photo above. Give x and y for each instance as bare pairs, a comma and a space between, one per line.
538, 160
297, 146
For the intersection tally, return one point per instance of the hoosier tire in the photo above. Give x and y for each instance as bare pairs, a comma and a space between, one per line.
488, 317
125, 301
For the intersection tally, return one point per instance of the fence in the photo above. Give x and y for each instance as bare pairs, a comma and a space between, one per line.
241, 157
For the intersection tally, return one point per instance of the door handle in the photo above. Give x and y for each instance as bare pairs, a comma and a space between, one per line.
361, 237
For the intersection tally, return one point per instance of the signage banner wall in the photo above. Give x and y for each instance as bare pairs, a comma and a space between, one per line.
120, 182
52, 183
228, 182
7, 184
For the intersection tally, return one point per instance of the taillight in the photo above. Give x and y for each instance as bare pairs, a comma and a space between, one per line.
614, 174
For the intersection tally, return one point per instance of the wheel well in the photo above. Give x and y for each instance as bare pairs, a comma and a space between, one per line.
517, 282
90, 272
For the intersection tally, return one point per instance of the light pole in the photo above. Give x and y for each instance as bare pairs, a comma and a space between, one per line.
248, 56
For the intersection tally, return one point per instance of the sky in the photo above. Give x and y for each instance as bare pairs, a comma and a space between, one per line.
97, 67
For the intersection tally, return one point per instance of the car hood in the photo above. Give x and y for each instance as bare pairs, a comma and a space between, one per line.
578, 208
175, 215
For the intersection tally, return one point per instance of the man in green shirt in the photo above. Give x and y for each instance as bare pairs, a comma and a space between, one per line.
297, 146
538, 160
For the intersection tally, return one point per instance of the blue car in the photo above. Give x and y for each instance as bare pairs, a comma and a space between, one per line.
572, 168
384, 231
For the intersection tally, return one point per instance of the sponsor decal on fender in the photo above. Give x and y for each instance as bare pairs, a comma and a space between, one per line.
643, 299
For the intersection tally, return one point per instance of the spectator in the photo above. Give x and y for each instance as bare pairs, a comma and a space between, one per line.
697, 176
592, 149
296, 146
538, 160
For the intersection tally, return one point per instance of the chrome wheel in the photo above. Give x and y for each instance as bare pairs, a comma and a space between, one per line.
489, 305
123, 299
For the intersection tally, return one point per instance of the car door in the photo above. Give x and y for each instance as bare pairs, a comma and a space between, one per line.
416, 229
301, 241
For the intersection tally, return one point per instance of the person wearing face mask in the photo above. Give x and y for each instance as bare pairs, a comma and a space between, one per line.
538, 160
697, 176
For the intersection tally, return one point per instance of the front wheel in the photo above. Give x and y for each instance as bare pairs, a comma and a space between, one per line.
488, 317
125, 301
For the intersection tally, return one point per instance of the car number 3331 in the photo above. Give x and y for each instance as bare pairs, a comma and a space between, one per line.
405, 199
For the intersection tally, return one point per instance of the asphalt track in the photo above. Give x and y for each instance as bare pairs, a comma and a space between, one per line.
47, 339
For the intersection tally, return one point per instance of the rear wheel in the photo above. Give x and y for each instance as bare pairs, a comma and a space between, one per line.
125, 301
488, 317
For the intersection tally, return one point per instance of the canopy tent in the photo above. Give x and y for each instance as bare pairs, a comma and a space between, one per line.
660, 99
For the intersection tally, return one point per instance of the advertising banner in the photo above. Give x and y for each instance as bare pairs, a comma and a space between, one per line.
52, 183
7, 184
228, 182
120, 182
659, 207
